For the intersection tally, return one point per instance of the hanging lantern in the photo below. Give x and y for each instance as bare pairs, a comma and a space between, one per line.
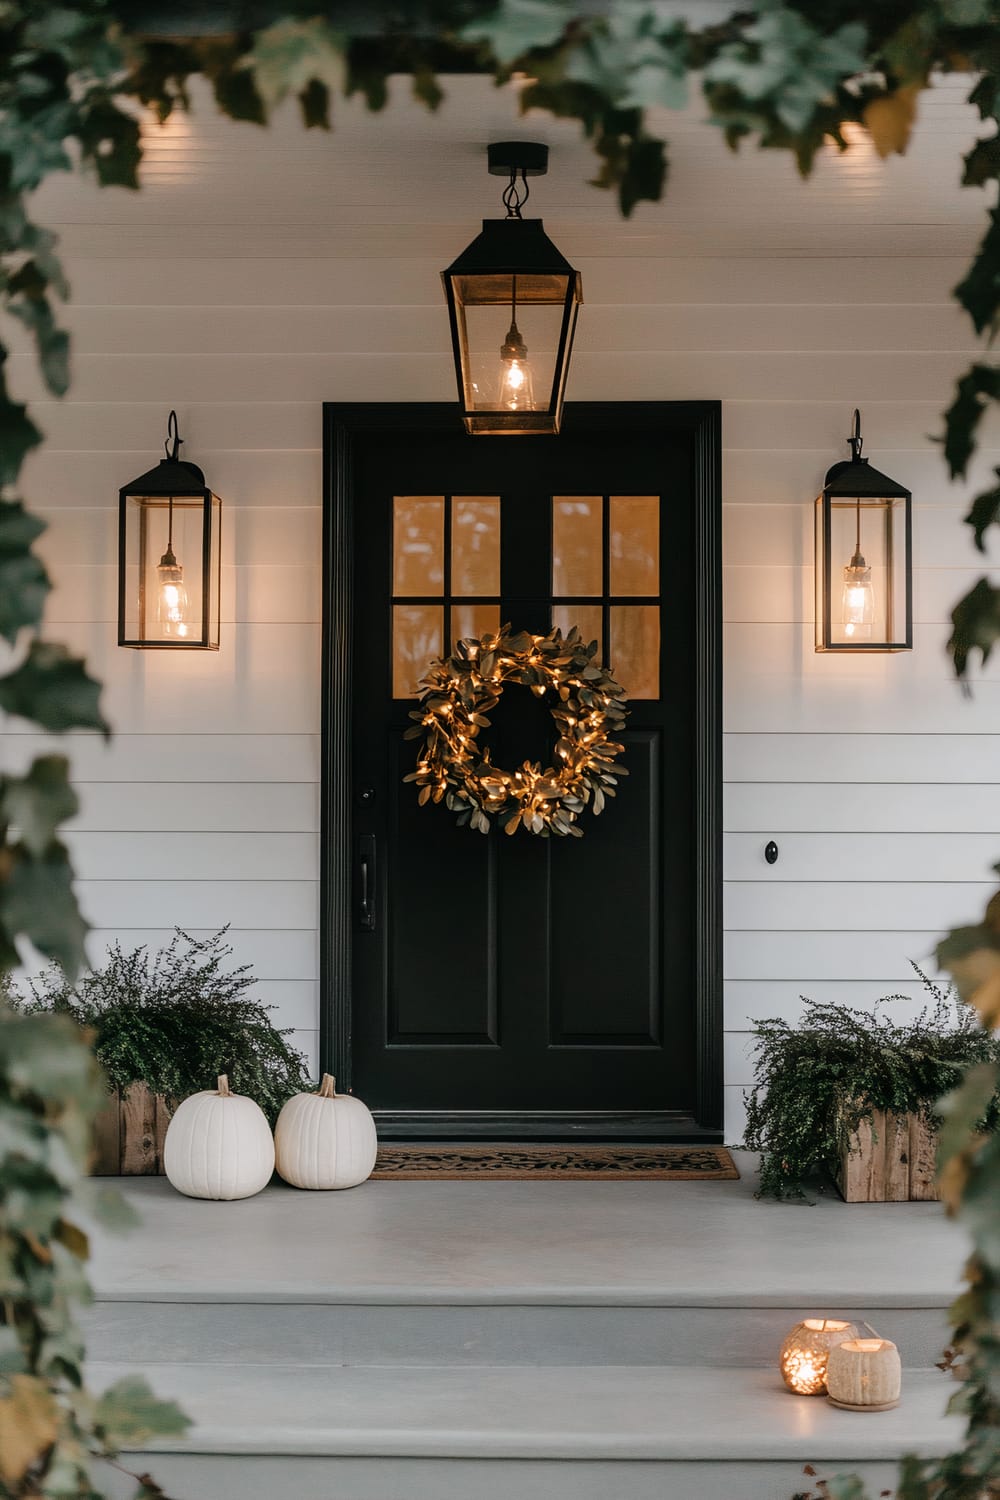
169, 526
512, 300
864, 568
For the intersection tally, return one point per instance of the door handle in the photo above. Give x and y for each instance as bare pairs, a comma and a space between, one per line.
367, 882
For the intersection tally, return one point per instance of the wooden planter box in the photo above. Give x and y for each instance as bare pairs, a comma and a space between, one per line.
897, 1167
129, 1134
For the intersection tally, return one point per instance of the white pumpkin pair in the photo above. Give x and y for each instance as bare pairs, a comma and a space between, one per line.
219, 1144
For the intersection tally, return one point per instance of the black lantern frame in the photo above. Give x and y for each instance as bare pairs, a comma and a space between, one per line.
513, 265
174, 490
872, 510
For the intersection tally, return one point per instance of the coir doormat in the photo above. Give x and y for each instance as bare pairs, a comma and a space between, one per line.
554, 1163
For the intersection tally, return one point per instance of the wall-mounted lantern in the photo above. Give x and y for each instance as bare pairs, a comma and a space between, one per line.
169, 525
864, 565
512, 300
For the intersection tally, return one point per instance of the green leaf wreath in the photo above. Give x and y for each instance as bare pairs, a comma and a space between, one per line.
587, 706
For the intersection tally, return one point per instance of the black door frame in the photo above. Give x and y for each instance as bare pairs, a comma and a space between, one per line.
345, 425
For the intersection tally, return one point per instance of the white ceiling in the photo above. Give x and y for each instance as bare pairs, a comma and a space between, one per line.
406, 183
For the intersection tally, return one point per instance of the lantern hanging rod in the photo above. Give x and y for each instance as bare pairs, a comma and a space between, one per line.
172, 444
855, 441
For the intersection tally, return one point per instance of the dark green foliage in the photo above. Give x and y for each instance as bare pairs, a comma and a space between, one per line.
975, 624
787, 75
175, 1020
815, 1082
50, 1426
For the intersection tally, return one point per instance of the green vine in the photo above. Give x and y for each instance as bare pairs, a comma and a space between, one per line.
785, 75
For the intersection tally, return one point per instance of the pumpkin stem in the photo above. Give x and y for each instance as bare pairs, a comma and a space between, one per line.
222, 1083
327, 1088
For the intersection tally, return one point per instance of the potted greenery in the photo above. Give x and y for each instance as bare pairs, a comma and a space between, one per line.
853, 1093
165, 1025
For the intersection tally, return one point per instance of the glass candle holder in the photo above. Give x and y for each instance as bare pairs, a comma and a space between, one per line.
804, 1354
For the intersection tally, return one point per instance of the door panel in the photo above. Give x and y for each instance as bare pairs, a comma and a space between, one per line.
515, 985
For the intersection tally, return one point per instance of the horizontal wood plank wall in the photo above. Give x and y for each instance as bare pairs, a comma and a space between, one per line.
877, 780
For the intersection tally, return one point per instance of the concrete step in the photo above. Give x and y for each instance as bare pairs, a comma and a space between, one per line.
514, 1273
565, 1433
498, 1333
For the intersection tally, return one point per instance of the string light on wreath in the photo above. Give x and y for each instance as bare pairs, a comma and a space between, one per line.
588, 709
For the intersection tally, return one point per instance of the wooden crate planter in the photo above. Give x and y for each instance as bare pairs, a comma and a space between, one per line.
890, 1160
129, 1134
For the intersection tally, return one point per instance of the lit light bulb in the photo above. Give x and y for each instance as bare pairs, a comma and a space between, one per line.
171, 597
515, 372
858, 600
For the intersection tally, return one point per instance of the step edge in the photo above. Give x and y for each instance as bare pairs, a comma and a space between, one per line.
529, 1297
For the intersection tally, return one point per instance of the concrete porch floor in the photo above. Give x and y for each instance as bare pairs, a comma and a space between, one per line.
708, 1244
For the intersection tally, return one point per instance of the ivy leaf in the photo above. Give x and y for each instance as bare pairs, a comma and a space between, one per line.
426, 87
631, 161
290, 55
29, 1424
635, 60
975, 625
314, 100
18, 435
520, 26
889, 119
962, 1110
982, 164
111, 141
37, 803
37, 900
784, 60
128, 1414
24, 582
985, 95
973, 395
27, 301
985, 513
979, 292
52, 689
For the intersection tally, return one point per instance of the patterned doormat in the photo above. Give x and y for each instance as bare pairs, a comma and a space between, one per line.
507, 1163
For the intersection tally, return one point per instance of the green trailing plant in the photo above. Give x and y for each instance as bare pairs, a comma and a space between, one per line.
174, 1020
52, 1429
788, 76
815, 1082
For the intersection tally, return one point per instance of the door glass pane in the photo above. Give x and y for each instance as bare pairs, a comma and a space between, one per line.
587, 617
473, 621
417, 544
475, 545
416, 640
577, 545
635, 648
635, 544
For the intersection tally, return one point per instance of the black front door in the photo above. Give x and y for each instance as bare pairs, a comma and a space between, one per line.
513, 985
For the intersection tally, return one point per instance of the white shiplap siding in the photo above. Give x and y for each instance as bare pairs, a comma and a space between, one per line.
791, 303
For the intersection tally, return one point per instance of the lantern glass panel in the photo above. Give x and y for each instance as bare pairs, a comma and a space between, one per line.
171, 604
861, 573
513, 377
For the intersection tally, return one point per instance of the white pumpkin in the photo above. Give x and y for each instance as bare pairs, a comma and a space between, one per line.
325, 1140
218, 1145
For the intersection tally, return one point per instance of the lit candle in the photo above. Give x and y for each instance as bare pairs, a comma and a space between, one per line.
804, 1353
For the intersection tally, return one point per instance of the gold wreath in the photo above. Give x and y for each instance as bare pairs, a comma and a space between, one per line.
456, 695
